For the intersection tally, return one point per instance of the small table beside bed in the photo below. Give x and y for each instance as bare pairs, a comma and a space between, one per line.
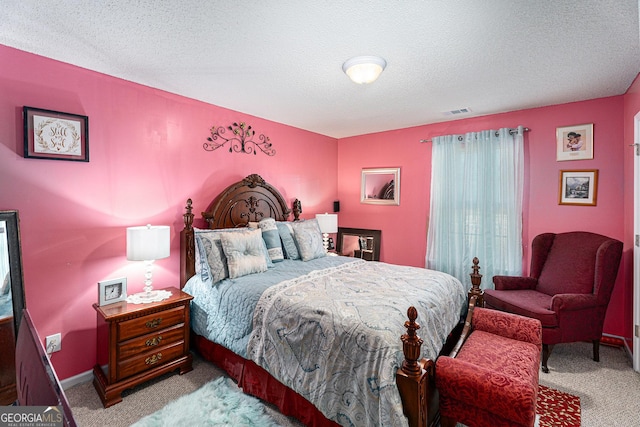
321, 337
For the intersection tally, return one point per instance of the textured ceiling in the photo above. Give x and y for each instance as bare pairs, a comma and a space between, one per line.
282, 59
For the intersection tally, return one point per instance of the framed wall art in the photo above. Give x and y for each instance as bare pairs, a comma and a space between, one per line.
112, 291
578, 187
380, 186
574, 142
55, 135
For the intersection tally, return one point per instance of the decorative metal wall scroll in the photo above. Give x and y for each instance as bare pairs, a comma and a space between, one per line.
241, 141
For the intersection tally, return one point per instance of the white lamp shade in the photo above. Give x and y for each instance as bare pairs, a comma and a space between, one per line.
328, 223
364, 69
146, 243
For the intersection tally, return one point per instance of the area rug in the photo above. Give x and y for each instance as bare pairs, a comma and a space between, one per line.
557, 408
217, 403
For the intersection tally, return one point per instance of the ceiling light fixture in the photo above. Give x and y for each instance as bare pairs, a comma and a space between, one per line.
364, 69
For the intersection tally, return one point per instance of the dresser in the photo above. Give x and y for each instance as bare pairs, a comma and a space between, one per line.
138, 342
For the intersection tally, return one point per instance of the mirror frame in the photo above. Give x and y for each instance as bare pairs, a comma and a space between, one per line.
15, 264
376, 234
371, 173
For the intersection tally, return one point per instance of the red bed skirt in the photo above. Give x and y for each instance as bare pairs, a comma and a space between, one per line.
255, 381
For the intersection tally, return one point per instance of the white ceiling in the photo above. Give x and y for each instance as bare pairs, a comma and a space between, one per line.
282, 59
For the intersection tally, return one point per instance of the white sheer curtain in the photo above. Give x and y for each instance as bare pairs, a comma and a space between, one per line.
476, 204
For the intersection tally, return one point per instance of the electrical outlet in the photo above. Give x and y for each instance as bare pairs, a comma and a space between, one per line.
53, 343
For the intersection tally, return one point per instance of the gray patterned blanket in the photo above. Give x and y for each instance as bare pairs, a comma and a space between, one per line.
333, 335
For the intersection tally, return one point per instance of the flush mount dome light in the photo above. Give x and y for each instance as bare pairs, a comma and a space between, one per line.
364, 69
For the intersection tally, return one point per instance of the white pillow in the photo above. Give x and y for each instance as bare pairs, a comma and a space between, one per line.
309, 239
244, 252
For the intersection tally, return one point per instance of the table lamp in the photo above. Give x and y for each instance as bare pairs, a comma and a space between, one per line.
148, 243
328, 224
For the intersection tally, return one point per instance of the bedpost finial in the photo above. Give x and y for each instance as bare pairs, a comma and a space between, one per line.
297, 209
412, 314
476, 280
411, 345
188, 215
476, 267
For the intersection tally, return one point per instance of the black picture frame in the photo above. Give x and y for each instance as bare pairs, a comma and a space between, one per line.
55, 135
369, 250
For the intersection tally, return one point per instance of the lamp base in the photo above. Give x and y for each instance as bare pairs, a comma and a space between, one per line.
147, 297
325, 242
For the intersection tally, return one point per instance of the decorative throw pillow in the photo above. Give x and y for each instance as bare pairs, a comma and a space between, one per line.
209, 243
271, 238
211, 262
201, 262
309, 239
244, 253
288, 242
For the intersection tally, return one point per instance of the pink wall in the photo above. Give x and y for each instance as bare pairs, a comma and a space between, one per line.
146, 159
404, 227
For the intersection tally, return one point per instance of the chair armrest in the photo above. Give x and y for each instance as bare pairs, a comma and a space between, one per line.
485, 388
561, 302
505, 283
508, 325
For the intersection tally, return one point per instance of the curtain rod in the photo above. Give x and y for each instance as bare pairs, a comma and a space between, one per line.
511, 132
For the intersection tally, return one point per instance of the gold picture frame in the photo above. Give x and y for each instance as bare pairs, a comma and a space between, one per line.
578, 187
574, 142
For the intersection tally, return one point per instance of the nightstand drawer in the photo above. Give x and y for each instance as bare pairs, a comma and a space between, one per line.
152, 322
150, 341
149, 360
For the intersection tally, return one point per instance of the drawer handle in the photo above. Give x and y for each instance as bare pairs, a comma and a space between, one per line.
154, 323
153, 359
153, 341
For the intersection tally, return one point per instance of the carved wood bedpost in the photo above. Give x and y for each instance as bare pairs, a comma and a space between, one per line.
476, 279
187, 245
414, 378
297, 210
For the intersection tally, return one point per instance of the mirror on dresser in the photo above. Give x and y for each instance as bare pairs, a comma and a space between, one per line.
11, 302
359, 243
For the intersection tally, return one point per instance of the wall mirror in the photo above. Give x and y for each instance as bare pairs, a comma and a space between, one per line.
11, 302
359, 243
380, 186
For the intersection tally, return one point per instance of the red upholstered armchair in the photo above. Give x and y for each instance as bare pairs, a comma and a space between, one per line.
571, 279
491, 378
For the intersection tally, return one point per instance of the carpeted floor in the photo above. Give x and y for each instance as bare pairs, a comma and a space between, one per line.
607, 390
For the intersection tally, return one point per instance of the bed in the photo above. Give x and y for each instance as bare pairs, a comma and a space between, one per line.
324, 338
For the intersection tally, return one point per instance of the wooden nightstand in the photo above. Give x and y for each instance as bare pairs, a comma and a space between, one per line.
138, 342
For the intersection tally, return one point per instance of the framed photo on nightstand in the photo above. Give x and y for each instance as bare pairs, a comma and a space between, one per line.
112, 291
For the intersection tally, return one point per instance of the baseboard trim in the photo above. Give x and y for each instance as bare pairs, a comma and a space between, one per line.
77, 379
617, 341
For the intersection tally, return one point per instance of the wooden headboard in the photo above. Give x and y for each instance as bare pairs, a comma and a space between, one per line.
248, 200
